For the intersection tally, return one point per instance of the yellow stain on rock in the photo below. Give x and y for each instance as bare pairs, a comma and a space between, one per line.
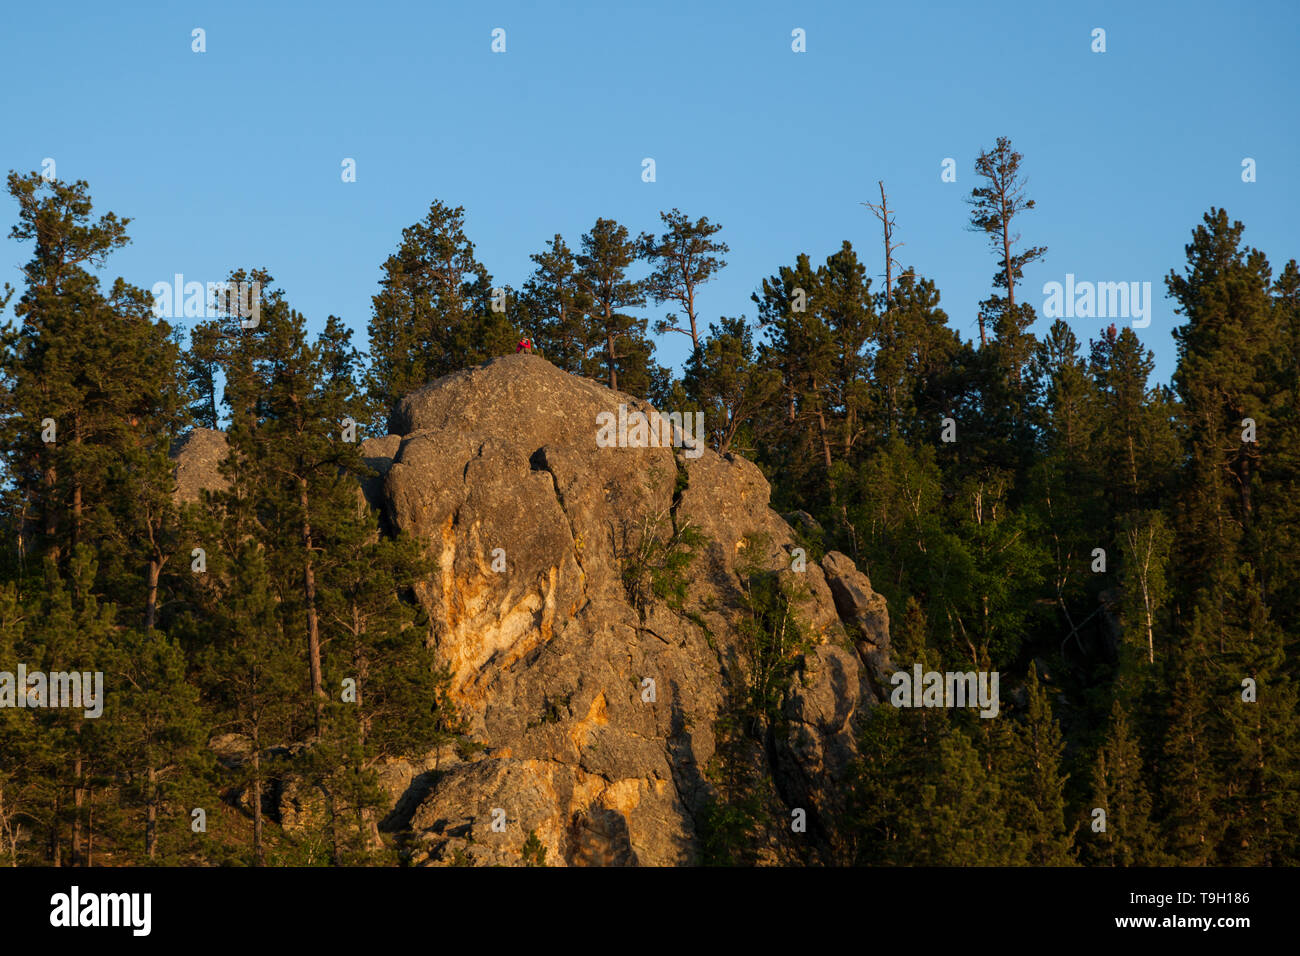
597, 716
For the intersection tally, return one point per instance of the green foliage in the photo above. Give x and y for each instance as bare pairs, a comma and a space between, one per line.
1118, 788
533, 851
658, 559
724, 378
623, 353
729, 822
772, 636
298, 663
432, 314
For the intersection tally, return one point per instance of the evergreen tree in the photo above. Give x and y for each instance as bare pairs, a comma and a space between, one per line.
203, 361
76, 632
607, 252
289, 412
559, 309
1037, 808
1260, 767
1224, 351
433, 313
995, 205
90, 378
913, 356
157, 734
726, 380
250, 674
1191, 820
683, 257
1119, 790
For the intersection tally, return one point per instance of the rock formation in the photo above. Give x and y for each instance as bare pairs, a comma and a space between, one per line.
594, 697
198, 456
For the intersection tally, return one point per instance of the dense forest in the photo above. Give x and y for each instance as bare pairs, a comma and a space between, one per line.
1124, 552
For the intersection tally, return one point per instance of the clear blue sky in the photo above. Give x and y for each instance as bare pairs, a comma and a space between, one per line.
231, 158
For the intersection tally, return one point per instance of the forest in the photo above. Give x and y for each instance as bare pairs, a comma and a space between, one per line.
1125, 552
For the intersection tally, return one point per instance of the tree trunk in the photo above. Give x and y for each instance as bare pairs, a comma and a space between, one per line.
50, 524
76, 810
55, 837
361, 666
151, 815
690, 314
826, 445
613, 372
151, 594
257, 801
313, 622
1006, 251
1247, 506
76, 514
1146, 606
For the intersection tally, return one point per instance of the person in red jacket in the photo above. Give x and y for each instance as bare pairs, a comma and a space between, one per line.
524, 345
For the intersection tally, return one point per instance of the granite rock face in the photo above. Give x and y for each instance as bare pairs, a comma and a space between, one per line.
592, 698
536, 530
198, 456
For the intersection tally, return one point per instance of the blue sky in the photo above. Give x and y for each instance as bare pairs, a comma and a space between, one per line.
231, 158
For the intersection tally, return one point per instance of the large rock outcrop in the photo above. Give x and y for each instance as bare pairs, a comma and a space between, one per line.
593, 697
550, 655
198, 456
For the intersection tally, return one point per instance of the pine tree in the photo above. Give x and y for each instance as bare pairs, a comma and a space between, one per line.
307, 472
1279, 495
1224, 350
433, 313
994, 207
1260, 766
818, 324
76, 632
203, 360
1037, 807
1192, 823
913, 358
957, 820
724, 377
157, 735
397, 705
1129, 838
607, 252
26, 753
684, 257
248, 670
559, 309
90, 377
1134, 439
1066, 487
